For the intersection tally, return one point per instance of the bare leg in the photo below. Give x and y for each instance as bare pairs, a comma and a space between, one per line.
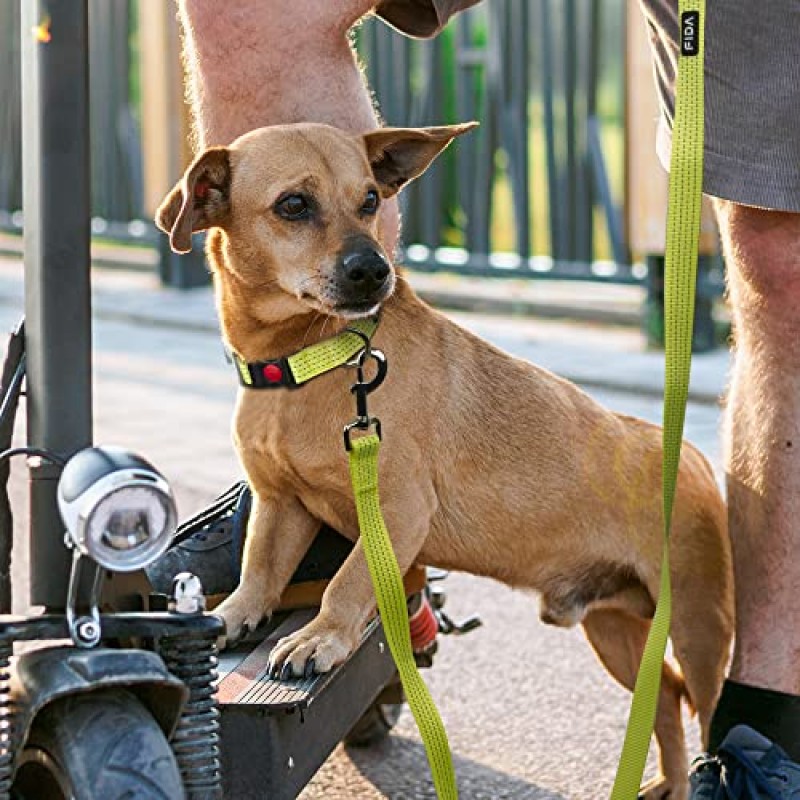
763, 442
252, 63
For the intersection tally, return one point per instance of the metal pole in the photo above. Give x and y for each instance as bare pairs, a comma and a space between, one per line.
57, 289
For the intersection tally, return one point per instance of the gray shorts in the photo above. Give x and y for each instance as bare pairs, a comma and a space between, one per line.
752, 132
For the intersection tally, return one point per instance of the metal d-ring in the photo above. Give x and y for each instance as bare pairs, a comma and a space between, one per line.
359, 358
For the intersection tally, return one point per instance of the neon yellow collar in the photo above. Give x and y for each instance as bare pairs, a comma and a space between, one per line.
291, 372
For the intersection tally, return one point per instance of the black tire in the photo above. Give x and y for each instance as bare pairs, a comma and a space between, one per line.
375, 724
99, 746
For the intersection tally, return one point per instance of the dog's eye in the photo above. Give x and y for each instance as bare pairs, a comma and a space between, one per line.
293, 206
371, 202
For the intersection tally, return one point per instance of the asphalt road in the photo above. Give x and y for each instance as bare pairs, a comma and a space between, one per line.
529, 710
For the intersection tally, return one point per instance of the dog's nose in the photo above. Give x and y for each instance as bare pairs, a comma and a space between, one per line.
364, 270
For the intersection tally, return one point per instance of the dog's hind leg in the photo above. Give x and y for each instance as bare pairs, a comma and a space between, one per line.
702, 620
703, 656
618, 638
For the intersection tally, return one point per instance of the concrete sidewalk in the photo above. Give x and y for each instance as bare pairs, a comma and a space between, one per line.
591, 354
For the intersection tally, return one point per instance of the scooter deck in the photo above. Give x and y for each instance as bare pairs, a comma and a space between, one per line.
277, 733
243, 671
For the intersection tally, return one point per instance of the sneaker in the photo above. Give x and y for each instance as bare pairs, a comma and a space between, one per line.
704, 778
210, 544
748, 766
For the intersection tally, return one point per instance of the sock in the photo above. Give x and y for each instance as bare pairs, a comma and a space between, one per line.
775, 715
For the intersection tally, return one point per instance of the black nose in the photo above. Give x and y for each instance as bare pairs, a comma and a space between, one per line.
364, 270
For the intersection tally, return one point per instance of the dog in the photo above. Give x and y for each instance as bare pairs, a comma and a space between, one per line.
491, 465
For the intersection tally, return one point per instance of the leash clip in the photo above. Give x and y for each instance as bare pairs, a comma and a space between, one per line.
362, 389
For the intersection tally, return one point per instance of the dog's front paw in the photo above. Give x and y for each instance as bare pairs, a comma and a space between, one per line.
662, 788
316, 647
242, 612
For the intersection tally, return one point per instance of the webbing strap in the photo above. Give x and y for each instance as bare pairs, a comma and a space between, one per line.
683, 232
390, 596
332, 353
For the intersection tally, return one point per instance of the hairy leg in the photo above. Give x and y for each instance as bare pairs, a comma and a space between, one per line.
251, 63
762, 250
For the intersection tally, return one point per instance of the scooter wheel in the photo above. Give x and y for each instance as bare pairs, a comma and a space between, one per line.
97, 746
375, 724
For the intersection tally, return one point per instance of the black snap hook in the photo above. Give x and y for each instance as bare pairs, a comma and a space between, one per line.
369, 387
361, 389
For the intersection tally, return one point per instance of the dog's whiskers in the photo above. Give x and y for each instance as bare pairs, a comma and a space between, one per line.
324, 325
317, 315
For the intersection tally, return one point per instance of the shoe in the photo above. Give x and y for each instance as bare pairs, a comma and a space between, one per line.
748, 766
210, 545
705, 778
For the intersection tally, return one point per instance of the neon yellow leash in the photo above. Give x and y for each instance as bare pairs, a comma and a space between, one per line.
390, 595
352, 347
683, 232
387, 579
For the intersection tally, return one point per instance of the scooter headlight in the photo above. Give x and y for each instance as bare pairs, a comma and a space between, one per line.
118, 509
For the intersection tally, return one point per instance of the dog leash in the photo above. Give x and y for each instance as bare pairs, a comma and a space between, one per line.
683, 232
387, 579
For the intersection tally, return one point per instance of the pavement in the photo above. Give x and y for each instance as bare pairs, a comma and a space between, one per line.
590, 353
530, 713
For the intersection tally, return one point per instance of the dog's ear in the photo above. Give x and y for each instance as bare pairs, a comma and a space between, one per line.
200, 200
398, 155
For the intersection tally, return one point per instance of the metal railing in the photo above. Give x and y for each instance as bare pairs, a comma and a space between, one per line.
536, 192
529, 194
117, 208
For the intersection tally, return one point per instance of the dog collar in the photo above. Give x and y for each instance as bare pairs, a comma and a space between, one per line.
290, 372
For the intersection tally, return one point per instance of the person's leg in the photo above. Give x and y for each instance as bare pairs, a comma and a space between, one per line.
251, 63
268, 62
762, 250
752, 159
763, 436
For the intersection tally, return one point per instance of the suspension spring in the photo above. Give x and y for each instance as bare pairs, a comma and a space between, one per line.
6, 720
193, 659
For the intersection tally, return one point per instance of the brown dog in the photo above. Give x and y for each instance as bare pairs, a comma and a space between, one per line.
490, 466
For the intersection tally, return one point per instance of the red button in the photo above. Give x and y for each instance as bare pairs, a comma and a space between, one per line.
273, 373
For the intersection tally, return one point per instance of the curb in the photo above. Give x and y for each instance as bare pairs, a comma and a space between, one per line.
521, 307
